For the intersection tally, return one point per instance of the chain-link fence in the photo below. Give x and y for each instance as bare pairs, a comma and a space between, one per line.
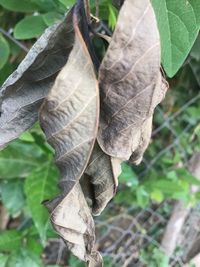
133, 236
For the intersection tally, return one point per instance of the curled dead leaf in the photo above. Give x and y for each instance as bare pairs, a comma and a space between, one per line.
131, 85
69, 118
23, 92
99, 183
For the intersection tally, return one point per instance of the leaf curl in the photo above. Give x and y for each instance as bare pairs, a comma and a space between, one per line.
23, 92
131, 85
69, 118
99, 182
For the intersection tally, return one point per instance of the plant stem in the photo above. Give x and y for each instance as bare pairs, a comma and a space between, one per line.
14, 40
87, 9
84, 27
97, 8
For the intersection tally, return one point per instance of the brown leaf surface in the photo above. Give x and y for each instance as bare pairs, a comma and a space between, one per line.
23, 92
131, 85
99, 182
69, 118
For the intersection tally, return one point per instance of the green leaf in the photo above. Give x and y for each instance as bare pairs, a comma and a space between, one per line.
157, 195
112, 19
27, 136
33, 245
195, 53
127, 196
19, 6
19, 160
10, 240
39, 186
128, 176
3, 260
24, 258
29, 27
46, 5
4, 51
167, 187
67, 3
142, 197
196, 7
186, 176
13, 196
73, 261
51, 18
178, 30
172, 175
6, 71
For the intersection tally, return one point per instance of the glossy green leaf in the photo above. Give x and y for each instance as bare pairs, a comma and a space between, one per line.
19, 6
10, 240
4, 51
29, 27
39, 186
13, 196
19, 160
178, 26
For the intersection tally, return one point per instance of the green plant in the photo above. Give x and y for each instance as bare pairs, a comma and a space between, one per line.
157, 258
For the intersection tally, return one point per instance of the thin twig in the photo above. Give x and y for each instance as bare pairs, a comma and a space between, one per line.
87, 9
97, 8
60, 251
14, 40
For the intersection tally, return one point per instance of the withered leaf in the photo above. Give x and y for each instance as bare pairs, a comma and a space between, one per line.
99, 182
69, 118
131, 85
73, 221
23, 92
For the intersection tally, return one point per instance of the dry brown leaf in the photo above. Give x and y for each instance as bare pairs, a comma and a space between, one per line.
73, 221
99, 182
131, 85
23, 92
69, 118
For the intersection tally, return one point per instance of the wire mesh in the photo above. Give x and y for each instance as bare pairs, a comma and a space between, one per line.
123, 234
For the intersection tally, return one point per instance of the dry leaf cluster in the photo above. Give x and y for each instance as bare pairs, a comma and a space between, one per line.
93, 121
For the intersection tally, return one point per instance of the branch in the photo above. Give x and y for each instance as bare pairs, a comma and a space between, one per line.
8, 35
